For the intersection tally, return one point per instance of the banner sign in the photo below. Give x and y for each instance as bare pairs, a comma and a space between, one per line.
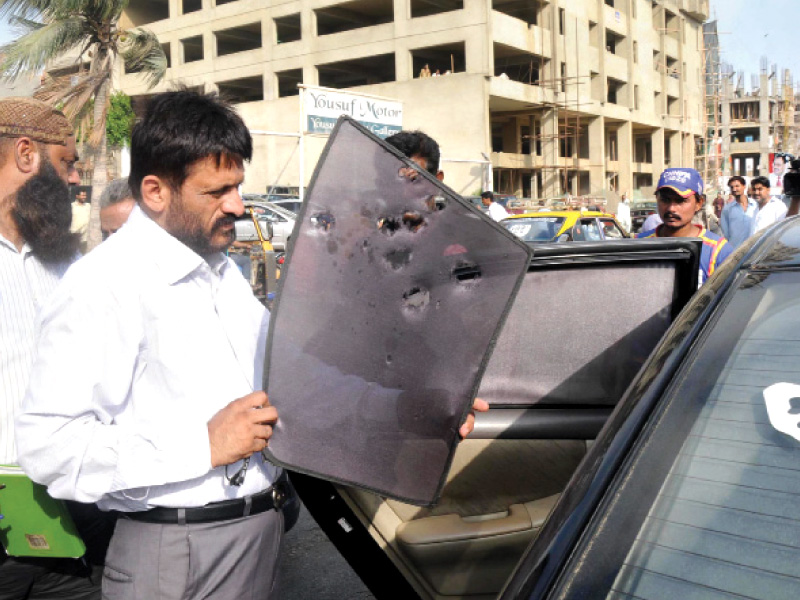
324, 106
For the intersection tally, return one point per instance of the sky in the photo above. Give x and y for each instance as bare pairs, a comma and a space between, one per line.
750, 29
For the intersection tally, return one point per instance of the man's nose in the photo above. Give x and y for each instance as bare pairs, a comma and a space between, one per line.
73, 177
233, 204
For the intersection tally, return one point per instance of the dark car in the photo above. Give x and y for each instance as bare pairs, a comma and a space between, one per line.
642, 448
639, 213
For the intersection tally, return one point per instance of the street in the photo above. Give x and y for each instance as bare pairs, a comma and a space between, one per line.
310, 568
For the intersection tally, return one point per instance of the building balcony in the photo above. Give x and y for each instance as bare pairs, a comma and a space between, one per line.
516, 33
509, 160
697, 9
616, 67
671, 45
616, 20
745, 147
673, 86
641, 167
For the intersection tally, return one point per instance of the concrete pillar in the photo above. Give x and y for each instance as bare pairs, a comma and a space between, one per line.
625, 146
657, 141
550, 158
674, 141
597, 155
764, 126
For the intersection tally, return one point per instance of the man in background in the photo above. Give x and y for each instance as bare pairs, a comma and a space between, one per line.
495, 210
37, 162
624, 212
680, 197
81, 208
770, 208
116, 204
738, 215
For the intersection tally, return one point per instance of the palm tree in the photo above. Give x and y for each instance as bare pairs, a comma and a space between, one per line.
86, 32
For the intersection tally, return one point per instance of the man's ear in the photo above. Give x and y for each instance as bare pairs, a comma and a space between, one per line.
440, 175
156, 195
27, 155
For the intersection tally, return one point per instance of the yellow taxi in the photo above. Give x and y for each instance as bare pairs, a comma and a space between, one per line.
564, 226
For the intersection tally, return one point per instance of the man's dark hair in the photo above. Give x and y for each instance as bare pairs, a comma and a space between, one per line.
738, 178
417, 143
178, 129
760, 180
488, 195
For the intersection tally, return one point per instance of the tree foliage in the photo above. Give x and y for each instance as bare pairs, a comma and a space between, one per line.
119, 122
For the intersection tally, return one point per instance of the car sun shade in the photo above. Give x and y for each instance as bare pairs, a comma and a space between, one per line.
390, 301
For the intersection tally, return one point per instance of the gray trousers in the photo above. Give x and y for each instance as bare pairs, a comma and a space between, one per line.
226, 560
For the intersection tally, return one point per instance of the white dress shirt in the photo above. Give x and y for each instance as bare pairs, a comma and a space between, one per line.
141, 344
25, 282
774, 210
497, 212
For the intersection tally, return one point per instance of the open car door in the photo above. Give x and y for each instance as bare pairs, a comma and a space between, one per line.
586, 318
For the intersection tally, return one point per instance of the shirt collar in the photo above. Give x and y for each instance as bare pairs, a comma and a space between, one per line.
173, 258
26, 249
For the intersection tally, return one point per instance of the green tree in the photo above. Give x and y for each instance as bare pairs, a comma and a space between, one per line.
119, 122
88, 33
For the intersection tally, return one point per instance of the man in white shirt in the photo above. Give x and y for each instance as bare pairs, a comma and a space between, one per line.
37, 161
142, 395
770, 208
495, 210
624, 213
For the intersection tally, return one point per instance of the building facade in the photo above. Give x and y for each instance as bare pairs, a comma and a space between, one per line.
556, 97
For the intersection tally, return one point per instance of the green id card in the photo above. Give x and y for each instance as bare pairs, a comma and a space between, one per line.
34, 523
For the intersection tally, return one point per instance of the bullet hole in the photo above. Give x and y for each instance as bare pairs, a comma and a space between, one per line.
416, 299
323, 221
332, 246
398, 259
435, 203
465, 272
412, 221
388, 359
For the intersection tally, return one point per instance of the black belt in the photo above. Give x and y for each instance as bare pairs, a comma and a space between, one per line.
274, 497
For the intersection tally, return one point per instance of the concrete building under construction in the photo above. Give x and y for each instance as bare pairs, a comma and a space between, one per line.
556, 97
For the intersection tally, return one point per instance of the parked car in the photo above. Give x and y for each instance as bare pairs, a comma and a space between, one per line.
639, 213
291, 204
689, 489
563, 226
282, 220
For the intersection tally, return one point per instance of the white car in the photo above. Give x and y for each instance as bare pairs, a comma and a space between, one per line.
282, 220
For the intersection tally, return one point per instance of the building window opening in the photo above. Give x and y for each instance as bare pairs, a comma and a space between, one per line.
525, 139
288, 29
672, 68
287, 82
529, 11
614, 43
615, 91
562, 21
510, 64
353, 15
190, 6
593, 34
167, 52
192, 49
423, 8
246, 89
144, 12
643, 149
238, 39
610, 3
673, 107
221, 2
439, 60
497, 137
359, 71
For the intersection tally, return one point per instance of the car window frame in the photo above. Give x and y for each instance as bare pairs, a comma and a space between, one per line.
541, 564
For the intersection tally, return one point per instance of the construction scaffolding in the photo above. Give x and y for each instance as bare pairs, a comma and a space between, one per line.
709, 152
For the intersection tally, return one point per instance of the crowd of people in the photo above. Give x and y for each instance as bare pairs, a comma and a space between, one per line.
130, 376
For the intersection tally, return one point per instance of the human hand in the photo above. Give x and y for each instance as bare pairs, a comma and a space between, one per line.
241, 429
477, 406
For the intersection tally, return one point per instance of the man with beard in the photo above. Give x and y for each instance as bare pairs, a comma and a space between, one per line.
680, 196
142, 395
37, 161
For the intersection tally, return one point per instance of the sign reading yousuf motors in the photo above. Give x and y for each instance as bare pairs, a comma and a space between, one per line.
323, 106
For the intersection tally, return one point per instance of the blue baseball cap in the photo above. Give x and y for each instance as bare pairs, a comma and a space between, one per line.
681, 180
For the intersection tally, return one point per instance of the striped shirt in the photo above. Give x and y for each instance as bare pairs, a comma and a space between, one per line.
25, 282
715, 250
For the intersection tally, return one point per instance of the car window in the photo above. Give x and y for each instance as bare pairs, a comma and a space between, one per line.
586, 230
611, 230
537, 229
707, 503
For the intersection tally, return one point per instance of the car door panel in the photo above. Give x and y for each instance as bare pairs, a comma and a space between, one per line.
552, 380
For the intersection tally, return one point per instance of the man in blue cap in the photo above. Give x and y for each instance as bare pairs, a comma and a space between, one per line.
680, 196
